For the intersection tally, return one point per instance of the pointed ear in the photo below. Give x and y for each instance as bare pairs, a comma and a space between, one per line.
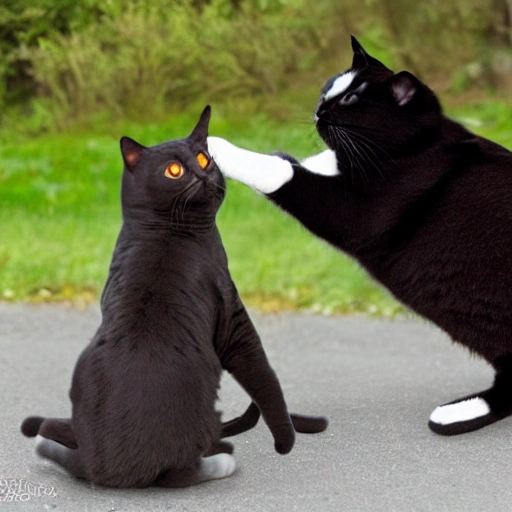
404, 86
200, 132
131, 151
361, 58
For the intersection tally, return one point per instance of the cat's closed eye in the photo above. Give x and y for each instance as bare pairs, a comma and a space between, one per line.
349, 99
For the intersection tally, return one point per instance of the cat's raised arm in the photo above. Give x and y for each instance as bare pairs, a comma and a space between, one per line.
296, 187
266, 173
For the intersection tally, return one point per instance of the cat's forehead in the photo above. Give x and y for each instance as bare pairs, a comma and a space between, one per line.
353, 79
176, 148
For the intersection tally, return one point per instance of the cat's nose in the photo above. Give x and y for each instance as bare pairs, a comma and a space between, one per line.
319, 110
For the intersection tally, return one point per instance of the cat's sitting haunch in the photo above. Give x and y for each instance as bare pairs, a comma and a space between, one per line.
423, 204
143, 391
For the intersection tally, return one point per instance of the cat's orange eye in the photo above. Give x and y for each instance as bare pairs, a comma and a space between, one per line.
203, 160
174, 170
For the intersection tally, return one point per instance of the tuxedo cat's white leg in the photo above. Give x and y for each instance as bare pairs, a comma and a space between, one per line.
325, 163
463, 416
264, 173
460, 411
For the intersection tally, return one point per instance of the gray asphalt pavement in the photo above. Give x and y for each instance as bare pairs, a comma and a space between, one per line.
376, 380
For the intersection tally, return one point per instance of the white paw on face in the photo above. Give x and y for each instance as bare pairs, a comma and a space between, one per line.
460, 411
264, 173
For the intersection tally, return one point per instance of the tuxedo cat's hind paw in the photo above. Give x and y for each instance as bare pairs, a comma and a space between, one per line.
480, 409
462, 416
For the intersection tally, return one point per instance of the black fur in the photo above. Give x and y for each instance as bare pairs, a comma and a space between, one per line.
424, 205
143, 391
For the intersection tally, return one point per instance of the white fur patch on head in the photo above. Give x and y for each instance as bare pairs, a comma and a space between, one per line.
340, 85
460, 411
264, 173
324, 163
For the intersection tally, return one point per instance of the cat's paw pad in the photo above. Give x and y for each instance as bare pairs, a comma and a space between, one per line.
461, 417
217, 466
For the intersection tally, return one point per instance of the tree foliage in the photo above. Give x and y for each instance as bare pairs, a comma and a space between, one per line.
68, 59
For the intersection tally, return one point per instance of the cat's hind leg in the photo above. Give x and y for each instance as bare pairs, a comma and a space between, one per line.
57, 429
215, 467
480, 409
220, 447
68, 458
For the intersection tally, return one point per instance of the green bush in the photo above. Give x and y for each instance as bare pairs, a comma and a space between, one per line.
149, 56
61, 61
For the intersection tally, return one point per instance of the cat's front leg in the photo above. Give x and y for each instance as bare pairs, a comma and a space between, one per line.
267, 173
263, 173
241, 353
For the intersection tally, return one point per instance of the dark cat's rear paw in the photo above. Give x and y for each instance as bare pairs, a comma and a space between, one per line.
30, 425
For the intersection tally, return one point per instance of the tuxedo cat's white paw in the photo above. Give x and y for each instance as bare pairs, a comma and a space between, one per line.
217, 466
263, 173
324, 163
466, 410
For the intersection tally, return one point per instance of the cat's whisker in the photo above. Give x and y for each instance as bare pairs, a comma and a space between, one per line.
360, 160
369, 142
372, 158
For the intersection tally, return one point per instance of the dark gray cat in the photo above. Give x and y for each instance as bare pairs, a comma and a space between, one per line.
144, 390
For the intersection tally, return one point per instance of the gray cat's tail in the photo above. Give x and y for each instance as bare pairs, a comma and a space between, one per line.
249, 419
242, 423
30, 426
59, 430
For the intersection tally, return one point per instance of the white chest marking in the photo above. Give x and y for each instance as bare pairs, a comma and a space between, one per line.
340, 85
264, 173
460, 411
324, 163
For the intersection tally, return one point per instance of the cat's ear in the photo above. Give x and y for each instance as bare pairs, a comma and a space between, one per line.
200, 132
362, 59
404, 86
131, 151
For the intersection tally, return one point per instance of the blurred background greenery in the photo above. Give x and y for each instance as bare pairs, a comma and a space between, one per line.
75, 76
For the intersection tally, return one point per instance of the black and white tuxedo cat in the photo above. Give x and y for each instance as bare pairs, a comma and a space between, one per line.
144, 390
423, 204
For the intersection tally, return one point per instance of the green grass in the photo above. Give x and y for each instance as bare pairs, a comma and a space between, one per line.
60, 215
